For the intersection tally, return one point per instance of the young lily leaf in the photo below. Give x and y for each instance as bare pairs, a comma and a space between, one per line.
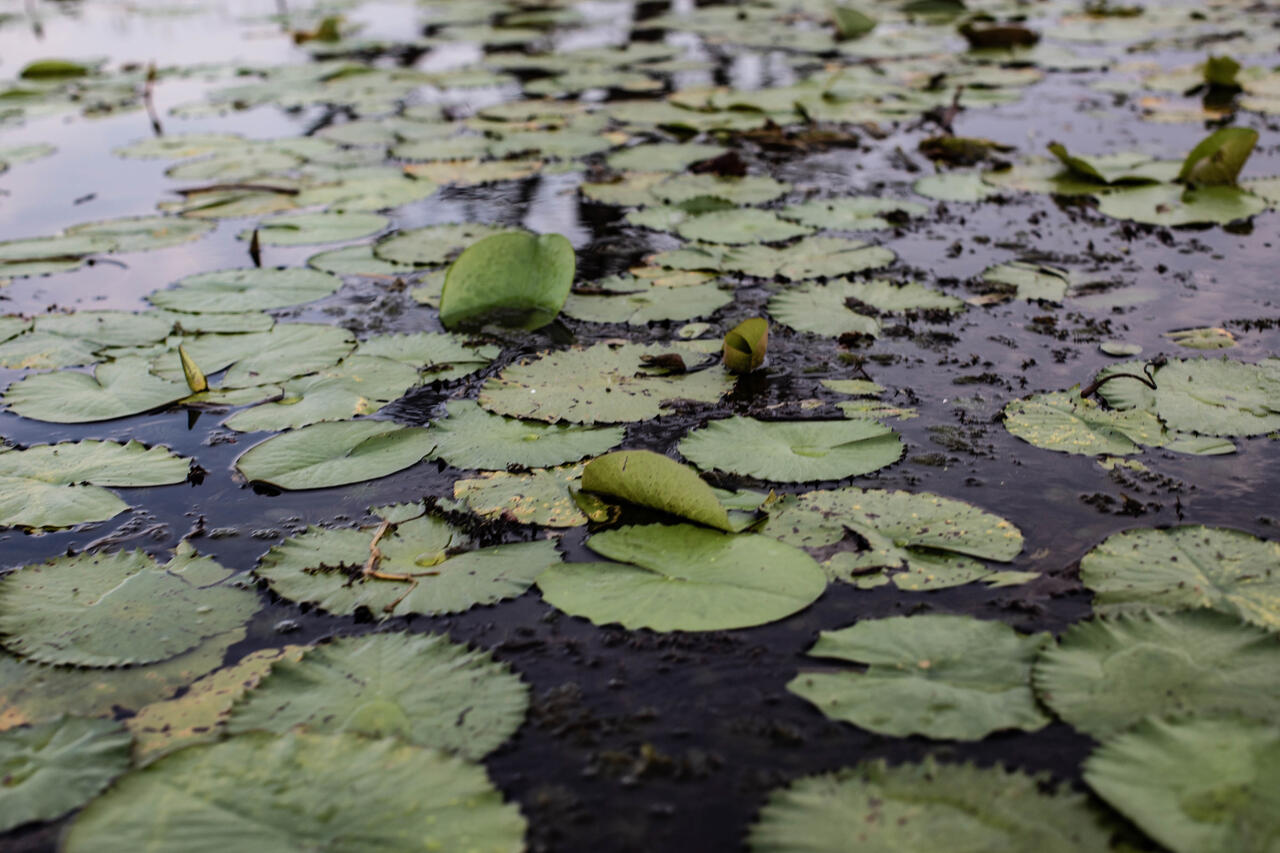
1221, 71
1217, 159
470, 437
851, 23
334, 454
232, 291
793, 451
118, 609
939, 676
116, 389
380, 791
1184, 568
420, 566
419, 688
1108, 674
909, 807
515, 278
196, 380
652, 480
53, 69
1195, 786
52, 768
745, 345
684, 578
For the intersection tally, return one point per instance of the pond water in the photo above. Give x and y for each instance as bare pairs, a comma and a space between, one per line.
635, 739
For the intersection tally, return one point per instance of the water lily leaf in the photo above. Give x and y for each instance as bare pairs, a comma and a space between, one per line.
935, 675
300, 229
44, 351
854, 387
237, 290
51, 768
451, 148
108, 328
1218, 158
823, 309
1066, 422
817, 257
116, 389
1032, 281
326, 568
470, 437
1201, 338
242, 163
607, 384
53, 69
419, 688
367, 194
1172, 204
955, 186
515, 278
144, 233
652, 480
96, 609
745, 345
684, 578
630, 189
858, 213
46, 255
543, 496
261, 358
661, 156
891, 297
850, 22
432, 245
357, 260
752, 189
388, 794
1219, 396
1195, 786
1187, 567
1108, 674
1125, 167
359, 385
648, 302
178, 146
468, 173
334, 454
740, 226
439, 356
907, 808
793, 451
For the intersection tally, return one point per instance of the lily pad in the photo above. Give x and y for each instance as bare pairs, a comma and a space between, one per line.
1066, 422
793, 451
1110, 673
1219, 396
433, 245
116, 389
46, 255
514, 278
940, 676
685, 578
470, 437
388, 794
652, 480
334, 454
662, 156
97, 609
604, 383
300, 229
892, 298
419, 688
1173, 204
740, 226
51, 768
648, 303
359, 385
230, 291
823, 309
262, 358
1219, 157
956, 187
1031, 281
144, 233
1186, 567
543, 496
752, 189
858, 213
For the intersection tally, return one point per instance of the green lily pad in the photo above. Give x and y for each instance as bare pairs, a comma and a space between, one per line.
1066, 422
793, 451
955, 186
46, 255
357, 260
823, 309
652, 480
144, 233
1219, 396
1173, 204
939, 676
607, 384
178, 146
1195, 786
300, 229
390, 795
359, 385
857, 213
96, 609
752, 189
470, 437
419, 688
514, 278
1108, 674
662, 156
51, 768
1117, 168
324, 568
108, 328
44, 351
54, 69
740, 226
1186, 568
1204, 337
334, 454
439, 356
116, 389
236, 164
650, 302
685, 578
261, 358
542, 496
908, 808
1031, 281
231, 291
367, 194
892, 298
433, 245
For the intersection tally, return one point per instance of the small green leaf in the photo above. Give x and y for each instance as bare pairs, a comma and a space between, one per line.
652, 480
1221, 71
53, 69
851, 23
1217, 160
516, 279
745, 345
196, 380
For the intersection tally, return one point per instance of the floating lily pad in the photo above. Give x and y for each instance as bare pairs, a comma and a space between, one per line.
230, 291
1195, 786
1186, 568
46, 255
116, 389
652, 480
740, 226
145, 233
357, 260
388, 794
908, 808
359, 385
1031, 281
859, 213
541, 496
334, 454
470, 437
1219, 396
44, 351
432, 245
823, 309
300, 229
650, 302
116, 609
324, 568
1174, 204
892, 298
939, 676
514, 278
419, 688
367, 194
1205, 337
956, 187
178, 146
261, 358
793, 451
51, 768
603, 383
1110, 673
108, 328
684, 578
439, 356
752, 189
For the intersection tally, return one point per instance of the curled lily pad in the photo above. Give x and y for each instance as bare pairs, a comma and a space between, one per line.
652, 480
359, 385
515, 278
387, 793
470, 437
230, 291
334, 454
419, 688
793, 451
1173, 204
740, 226
684, 578
940, 676
1219, 157
745, 345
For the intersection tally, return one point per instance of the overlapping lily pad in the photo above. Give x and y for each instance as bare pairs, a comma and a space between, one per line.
470, 437
359, 385
542, 496
334, 454
252, 289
